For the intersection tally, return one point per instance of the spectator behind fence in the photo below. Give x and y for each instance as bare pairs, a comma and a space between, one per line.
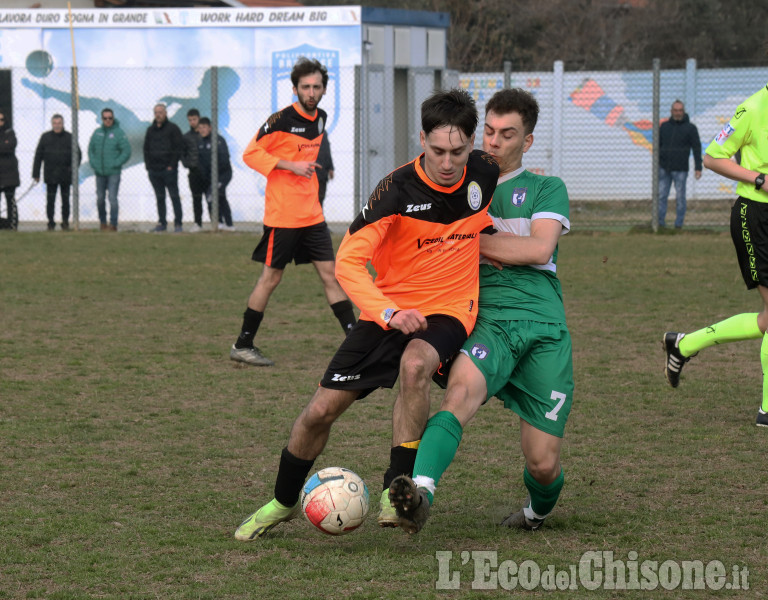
108, 150
163, 147
9, 170
325, 160
55, 150
677, 137
205, 152
191, 161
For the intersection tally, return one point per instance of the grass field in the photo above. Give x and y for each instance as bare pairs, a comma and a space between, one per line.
131, 446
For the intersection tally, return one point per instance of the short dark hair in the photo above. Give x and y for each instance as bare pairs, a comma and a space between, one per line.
452, 107
516, 100
204, 121
57, 116
109, 110
304, 66
193, 112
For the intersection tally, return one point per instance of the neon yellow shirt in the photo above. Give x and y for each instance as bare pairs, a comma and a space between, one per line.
746, 131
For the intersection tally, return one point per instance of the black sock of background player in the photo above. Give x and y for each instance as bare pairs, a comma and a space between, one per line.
251, 321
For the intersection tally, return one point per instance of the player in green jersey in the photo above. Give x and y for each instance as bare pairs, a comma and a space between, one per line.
744, 133
520, 349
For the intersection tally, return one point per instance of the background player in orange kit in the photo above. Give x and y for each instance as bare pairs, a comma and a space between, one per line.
285, 151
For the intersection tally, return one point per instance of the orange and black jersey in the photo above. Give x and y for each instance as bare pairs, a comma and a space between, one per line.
290, 134
422, 240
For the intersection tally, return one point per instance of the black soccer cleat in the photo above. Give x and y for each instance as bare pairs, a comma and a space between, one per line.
675, 361
411, 504
762, 418
518, 520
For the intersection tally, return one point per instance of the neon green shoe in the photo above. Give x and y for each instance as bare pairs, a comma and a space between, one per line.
387, 513
264, 519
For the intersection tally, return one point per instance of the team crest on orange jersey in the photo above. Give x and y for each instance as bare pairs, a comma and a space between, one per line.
474, 195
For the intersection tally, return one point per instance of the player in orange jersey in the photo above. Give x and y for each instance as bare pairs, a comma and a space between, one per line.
285, 151
420, 230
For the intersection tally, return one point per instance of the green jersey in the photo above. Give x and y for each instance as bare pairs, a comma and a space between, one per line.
746, 132
530, 292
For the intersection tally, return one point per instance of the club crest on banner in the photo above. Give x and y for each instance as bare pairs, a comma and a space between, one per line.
282, 88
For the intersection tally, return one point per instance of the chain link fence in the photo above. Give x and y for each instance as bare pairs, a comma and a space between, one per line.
595, 131
244, 98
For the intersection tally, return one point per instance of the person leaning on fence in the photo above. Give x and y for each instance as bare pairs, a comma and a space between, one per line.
191, 161
745, 133
285, 151
108, 150
677, 138
163, 147
9, 172
54, 152
205, 154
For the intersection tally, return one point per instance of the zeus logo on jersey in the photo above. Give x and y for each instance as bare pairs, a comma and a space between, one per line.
518, 196
411, 208
298, 129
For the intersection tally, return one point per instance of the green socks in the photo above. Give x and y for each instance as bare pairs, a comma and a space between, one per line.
734, 329
438, 447
543, 497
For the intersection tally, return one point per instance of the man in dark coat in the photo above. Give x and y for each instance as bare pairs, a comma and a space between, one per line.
9, 171
677, 137
190, 160
163, 147
55, 150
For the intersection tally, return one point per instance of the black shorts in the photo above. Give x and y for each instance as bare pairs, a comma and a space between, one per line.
369, 357
749, 232
281, 245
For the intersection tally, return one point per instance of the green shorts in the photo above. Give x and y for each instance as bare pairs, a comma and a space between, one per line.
527, 365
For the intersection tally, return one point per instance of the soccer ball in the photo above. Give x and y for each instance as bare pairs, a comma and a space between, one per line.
335, 500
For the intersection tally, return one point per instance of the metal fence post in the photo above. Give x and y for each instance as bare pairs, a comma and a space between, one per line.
215, 148
558, 96
655, 158
364, 124
75, 153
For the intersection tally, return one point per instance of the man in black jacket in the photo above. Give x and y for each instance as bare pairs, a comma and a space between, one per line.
163, 147
677, 137
191, 160
55, 150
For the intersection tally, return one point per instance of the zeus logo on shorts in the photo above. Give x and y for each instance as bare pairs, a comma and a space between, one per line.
412, 208
340, 377
479, 351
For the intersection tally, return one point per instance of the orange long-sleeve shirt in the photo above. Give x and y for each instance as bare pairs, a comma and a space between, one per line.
422, 240
290, 134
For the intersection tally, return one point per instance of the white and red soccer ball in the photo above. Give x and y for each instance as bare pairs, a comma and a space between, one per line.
335, 500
